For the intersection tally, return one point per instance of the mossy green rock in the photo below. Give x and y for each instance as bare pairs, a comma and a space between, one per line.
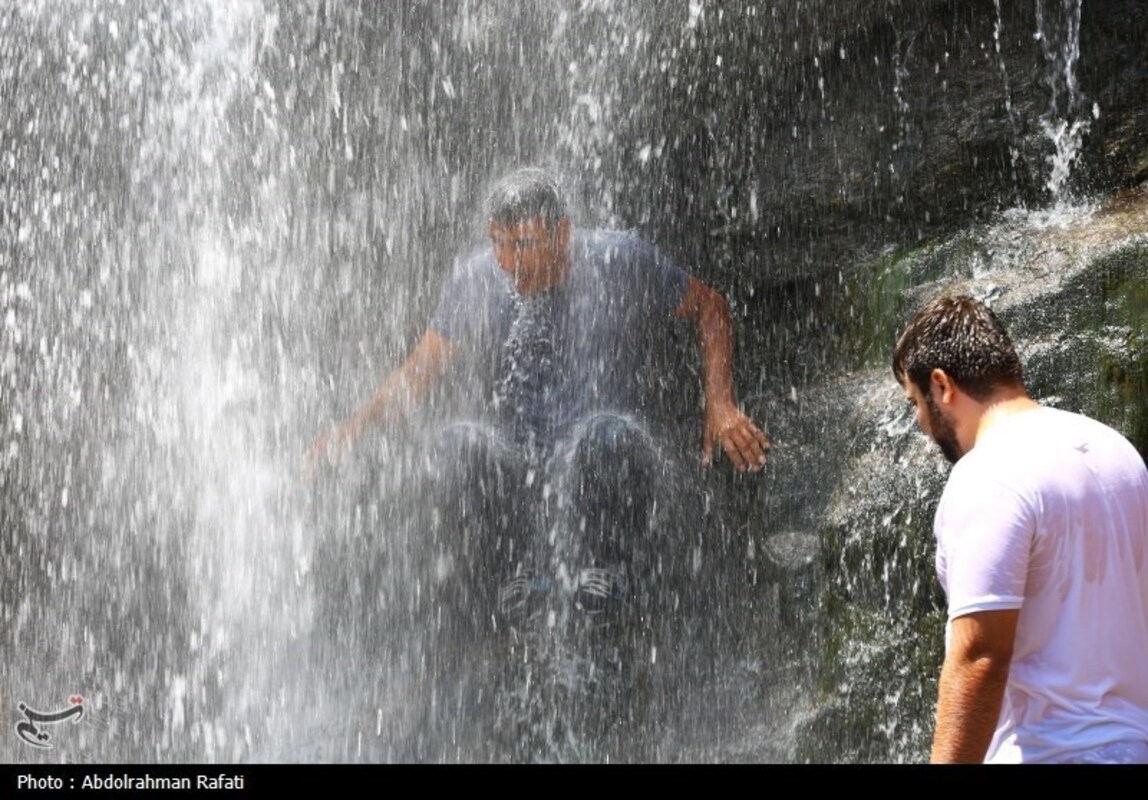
1072, 288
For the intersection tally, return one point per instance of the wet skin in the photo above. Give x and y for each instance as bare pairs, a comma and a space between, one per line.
535, 256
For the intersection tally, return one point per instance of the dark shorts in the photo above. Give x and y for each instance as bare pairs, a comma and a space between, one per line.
497, 508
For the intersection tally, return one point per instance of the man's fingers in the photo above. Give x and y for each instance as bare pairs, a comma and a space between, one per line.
762, 439
325, 453
741, 440
760, 445
750, 451
746, 445
313, 464
733, 445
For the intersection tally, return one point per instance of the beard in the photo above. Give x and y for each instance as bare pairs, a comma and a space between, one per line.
943, 431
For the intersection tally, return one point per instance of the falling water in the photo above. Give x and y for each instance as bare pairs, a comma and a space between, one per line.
193, 289
222, 223
1014, 152
1066, 122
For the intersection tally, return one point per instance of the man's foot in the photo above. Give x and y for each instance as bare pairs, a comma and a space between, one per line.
521, 596
601, 589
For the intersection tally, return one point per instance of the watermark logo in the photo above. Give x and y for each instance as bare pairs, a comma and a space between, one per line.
33, 735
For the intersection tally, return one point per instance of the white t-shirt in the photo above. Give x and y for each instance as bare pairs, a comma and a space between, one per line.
1049, 514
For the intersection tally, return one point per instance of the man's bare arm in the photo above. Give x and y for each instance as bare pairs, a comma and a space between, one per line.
394, 398
724, 423
972, 685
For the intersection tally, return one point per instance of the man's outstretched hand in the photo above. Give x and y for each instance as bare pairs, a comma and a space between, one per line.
740, 438
328, 450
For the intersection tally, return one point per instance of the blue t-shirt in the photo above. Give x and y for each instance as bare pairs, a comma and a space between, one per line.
548, 360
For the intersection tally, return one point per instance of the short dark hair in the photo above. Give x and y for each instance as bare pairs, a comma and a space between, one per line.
963, 337
526, 194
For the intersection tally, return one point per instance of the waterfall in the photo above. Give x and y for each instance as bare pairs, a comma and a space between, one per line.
1066, 121
223, 223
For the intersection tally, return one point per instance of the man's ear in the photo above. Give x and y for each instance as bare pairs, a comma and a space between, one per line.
944, 386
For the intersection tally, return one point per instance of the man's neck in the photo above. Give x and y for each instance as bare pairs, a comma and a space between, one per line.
1003, 405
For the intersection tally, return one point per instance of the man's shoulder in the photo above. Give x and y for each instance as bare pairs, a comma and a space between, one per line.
477, 262
470, 291
1054, 426
1043, 426
607, 241
474, 272
1047, 441
621, 253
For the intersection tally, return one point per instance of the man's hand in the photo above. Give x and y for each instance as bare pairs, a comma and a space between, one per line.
725, 423
328, 449
402, 390
742, 440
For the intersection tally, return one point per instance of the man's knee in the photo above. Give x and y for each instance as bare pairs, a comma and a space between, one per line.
609, 443
613, 483
471, 457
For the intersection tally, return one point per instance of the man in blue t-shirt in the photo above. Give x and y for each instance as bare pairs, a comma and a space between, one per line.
555, 324
549, 358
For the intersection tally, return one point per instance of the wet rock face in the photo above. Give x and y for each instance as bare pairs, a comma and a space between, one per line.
795, 136
1072, 288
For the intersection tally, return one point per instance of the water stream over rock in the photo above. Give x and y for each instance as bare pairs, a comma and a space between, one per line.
222, 223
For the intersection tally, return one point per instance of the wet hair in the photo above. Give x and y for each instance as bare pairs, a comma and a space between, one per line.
526, 194
963, 337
